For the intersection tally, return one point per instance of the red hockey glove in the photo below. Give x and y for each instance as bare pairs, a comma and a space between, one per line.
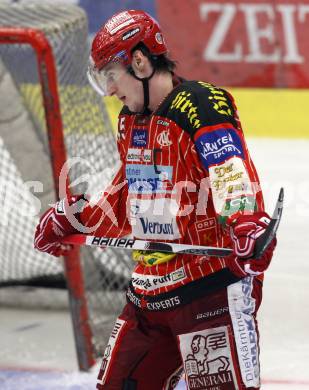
56, 223
244, 231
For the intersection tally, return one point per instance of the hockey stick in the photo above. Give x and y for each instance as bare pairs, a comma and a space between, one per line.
262, 242
130, 243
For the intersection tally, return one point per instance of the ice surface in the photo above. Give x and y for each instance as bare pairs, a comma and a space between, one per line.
36, 348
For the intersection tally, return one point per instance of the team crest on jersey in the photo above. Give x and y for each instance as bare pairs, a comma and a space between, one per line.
163, 138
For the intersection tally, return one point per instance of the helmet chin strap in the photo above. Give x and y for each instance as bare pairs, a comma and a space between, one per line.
145, 81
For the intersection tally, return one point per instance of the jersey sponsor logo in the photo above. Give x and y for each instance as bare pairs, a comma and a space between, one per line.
242, 307
118, 22
139, 155
163, 138
208, 359
156, 227
216, 146
155, 219
230, 178
144, 179
183, 103
205, 224
218, 100
163, 304
225, 174
221, 184
139, 138
152, 228
241, 203
130, 33
231, 187
162, 122
153, 282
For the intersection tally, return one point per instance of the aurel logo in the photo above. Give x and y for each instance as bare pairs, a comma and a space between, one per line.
139, 138
217, 146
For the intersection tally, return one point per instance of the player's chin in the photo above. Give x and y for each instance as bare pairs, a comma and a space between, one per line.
135, 107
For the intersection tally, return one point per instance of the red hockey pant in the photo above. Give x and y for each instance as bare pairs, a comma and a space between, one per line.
213, 339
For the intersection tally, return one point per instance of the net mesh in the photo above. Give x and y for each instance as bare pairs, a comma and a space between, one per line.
25, 173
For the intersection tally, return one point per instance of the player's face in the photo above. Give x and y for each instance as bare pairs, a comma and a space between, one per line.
114, 80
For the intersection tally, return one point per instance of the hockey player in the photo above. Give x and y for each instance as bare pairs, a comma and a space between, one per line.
186, 176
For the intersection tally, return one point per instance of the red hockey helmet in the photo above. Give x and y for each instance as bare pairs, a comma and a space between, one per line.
121, 33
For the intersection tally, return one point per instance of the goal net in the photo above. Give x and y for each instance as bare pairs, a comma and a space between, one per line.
43, 62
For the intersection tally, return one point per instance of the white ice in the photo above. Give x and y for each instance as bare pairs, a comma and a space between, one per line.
37, 350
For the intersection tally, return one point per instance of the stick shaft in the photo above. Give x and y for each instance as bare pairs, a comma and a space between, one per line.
129, 243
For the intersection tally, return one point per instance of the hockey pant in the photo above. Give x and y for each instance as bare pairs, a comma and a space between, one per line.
214, 339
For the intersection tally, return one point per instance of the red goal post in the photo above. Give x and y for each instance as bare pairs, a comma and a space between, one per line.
48, 81
53, 87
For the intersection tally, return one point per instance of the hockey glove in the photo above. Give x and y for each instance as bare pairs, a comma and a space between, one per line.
56, 223
244, 232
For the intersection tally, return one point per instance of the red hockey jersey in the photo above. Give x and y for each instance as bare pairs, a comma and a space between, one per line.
184, 170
